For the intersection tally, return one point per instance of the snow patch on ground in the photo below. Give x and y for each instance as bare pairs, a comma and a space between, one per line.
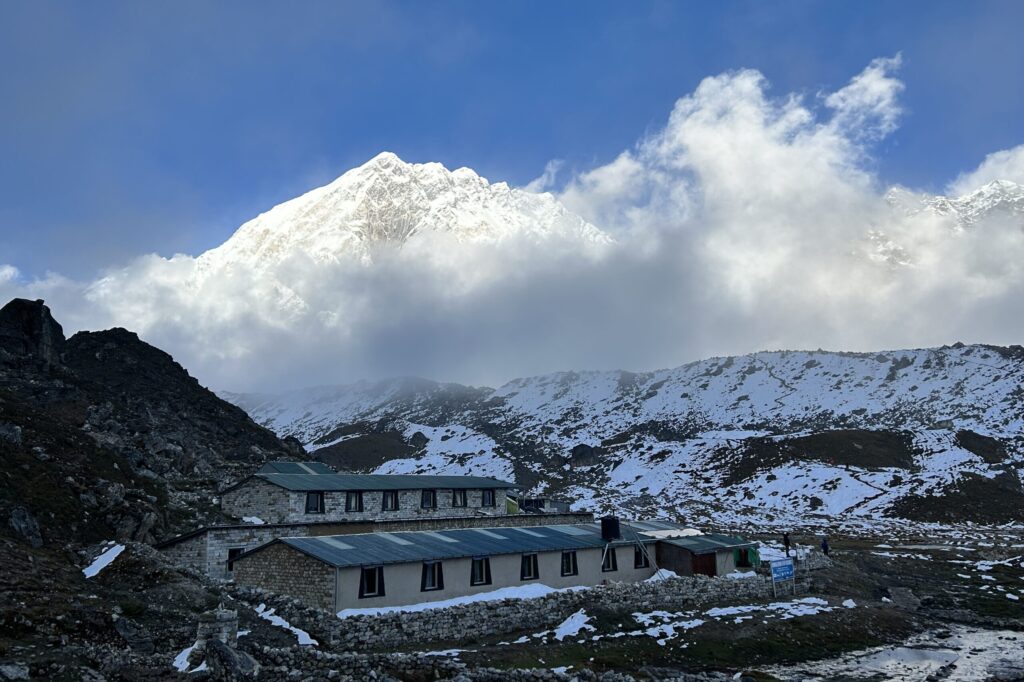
254, 520
103, 560
531, 591
572, 625
302, 635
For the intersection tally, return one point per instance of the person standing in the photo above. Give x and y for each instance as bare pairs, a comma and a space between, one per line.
824, 546
785, 542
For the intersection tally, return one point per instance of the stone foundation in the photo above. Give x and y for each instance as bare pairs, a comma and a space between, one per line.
473, 622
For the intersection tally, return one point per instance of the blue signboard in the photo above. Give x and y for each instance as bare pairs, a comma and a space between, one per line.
782, 570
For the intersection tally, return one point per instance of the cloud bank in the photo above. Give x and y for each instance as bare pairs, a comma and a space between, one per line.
751, 220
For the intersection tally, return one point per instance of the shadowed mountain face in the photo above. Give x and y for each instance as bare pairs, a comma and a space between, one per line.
104, 436
928, 434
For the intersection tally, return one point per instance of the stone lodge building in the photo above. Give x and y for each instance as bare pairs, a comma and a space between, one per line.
393, 569
305, 492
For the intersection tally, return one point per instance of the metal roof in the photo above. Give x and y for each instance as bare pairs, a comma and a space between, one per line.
370, 549
295, 468
706, 544
338, 482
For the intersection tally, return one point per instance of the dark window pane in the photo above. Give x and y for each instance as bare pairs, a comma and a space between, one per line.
314, 503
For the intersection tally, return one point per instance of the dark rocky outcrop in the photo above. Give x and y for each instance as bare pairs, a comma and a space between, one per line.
27, 329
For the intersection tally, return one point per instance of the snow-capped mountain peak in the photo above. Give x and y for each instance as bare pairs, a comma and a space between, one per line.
388, 201
998, 196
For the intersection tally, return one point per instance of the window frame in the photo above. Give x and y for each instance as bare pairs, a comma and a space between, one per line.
640, 558
358, 496
378, 573
529, 561
459, 498
385, 496
610, 566
574, 566
493, 497
435, 570
321, 506
485, 568
433, 498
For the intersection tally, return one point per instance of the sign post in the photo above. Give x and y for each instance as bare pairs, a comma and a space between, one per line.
782, 571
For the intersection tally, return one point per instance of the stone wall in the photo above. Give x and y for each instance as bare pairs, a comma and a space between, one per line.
273, 504
280, 568
476, 621
256, 497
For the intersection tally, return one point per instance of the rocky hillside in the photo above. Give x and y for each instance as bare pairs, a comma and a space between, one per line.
927, 435
105, 437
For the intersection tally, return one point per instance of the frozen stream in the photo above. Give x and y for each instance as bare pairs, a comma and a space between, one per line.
971, 653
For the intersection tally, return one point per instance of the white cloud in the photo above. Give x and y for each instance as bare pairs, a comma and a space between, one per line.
750, 221
545, 180
1007, 164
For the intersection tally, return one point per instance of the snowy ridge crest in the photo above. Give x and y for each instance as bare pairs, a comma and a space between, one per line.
387, 201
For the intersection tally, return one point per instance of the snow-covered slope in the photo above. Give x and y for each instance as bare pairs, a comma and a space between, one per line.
925, 434
387, 201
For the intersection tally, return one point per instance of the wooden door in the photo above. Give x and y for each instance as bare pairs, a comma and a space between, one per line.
704, 564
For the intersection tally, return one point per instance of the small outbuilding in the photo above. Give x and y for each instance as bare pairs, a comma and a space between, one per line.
706, 554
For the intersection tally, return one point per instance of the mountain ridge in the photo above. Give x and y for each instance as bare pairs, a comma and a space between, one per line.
739, 428
389, 201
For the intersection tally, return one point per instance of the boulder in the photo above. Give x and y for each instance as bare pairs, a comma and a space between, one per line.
137, 637
25, 525
226, 663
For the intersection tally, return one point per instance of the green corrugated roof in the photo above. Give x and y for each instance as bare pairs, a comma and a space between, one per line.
706, 544
342, 482
401, 547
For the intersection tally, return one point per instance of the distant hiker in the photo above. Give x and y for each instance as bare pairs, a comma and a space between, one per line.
824, 546
785, 542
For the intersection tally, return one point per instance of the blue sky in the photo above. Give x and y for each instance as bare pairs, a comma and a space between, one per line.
157, 127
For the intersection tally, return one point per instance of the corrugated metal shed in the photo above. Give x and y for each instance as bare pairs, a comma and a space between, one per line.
295, 468
368, 549
339, 482
706, 544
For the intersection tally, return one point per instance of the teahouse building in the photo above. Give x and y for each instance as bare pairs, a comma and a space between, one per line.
290, 492
282, 490
394, 569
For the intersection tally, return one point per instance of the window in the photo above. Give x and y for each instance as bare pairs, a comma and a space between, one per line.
314, 503
458, 498
487, 498
480, 572
429, 499
433, 576
611, 562
354, 501
529, 570
371, 582
232, 555
640, 558
569, 566
390, 501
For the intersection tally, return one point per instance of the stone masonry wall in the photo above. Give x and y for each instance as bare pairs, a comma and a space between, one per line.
256, 497
274, 504
189, 553
280, 568
472, 622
